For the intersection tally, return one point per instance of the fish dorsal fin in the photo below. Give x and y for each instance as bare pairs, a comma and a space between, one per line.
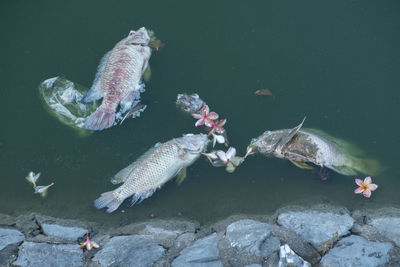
286, 138
181, 176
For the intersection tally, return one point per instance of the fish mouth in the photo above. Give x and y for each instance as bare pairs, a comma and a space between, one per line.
250, 151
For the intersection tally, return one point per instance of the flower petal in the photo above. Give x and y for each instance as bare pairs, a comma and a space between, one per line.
205, 109
199, 122
212, 116
218, 163
209, 123
367, 193
372, 187
221, 154
221, 123
359, 190
367, 180
359, 182
231, 153
237, 161
220, 139
197, 116
230, 168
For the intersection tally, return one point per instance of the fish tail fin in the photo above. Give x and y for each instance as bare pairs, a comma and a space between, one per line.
355, 165
108, 200
100, 119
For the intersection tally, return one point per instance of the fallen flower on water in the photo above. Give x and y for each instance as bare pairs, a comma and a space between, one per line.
365, 187
218, 139
205, 117
32, 178
220, 158
42, 190
88, 244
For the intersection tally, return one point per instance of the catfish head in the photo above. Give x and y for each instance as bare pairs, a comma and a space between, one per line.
270, 143
139, 37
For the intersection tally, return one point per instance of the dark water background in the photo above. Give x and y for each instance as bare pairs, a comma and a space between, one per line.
336, 62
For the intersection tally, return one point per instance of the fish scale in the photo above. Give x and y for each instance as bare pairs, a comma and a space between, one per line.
153, 169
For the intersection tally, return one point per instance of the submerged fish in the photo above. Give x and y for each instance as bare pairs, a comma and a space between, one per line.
313, 146
42, 190
32, 178
189, 103
118, 79
153, 169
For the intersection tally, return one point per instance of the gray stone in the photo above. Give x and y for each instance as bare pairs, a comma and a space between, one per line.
10, 236
203, 252
369, 232
181, 242
64, 232
252, 237
296, 243
316, 227
253, 265
389, 226
287, 258
133, 250
357, 251
161, 236
8, 255
48, 255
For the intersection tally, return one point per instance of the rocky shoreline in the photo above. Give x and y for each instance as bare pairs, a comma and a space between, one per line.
294, 236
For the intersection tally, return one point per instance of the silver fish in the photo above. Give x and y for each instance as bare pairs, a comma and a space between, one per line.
42, 190
153, 169
32, 178
189, 103
118, 79
313, 146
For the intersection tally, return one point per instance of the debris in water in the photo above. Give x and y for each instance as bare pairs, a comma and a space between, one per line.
265, 92
365, 187
32, 178
42, 190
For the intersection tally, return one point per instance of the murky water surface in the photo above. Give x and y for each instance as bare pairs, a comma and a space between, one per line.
336, 63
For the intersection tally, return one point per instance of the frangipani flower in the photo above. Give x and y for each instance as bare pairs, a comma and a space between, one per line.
88, 244
32, 178
217, 127
365, 187
218, 138
205, 117
220, 158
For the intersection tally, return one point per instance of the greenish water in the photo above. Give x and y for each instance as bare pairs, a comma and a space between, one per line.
335, 62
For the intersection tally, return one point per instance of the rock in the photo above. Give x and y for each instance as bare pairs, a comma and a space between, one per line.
253, 265
48, 255
296, 243
8, 254
133, 250
252, 237
287, 258
10, 236
203, 252
369, 232
387, 226
161, 236
357, 251
315, 226
181, 242
63, 232
6, 220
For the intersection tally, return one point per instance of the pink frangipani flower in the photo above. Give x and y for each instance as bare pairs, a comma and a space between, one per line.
205, 117
365, 187
228, 159
88, 244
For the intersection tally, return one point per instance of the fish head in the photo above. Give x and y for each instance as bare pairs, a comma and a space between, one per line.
189, 103
139, 37
265, 144
194, 143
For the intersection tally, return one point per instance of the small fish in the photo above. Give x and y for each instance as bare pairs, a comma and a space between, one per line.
134, 111
42, 190
118, 79
265, 92
313, 146
32, 178
153, 169
189, 103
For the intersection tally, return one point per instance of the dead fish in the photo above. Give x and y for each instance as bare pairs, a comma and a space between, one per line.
135, 111
42, 190
189, 103
265, 92
32, 178
153, 169
118, 78
313, 146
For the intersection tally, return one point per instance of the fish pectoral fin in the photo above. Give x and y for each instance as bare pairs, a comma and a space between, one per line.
302, 165
181, 176
147, 74
289, 136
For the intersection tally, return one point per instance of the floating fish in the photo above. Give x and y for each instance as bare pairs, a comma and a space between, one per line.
189, 103
313, 146
32, 178
42, 190
153, 169
265, 92
118, 79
